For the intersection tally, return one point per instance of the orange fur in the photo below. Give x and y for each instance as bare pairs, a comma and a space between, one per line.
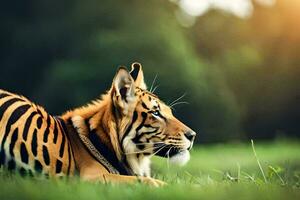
128, 120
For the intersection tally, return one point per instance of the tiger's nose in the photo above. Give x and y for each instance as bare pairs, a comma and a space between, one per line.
190, 135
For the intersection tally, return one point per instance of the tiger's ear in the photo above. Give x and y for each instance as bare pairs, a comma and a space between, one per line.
123, 93
138, 75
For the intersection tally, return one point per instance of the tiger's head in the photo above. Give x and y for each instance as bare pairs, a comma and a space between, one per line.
146, 124
134, 123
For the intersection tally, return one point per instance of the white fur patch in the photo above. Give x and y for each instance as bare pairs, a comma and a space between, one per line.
181, 158
79, 124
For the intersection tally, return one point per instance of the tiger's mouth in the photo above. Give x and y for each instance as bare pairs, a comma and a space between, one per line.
175, 154
167, 151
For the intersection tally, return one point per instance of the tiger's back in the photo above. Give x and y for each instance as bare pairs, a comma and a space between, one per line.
31, 140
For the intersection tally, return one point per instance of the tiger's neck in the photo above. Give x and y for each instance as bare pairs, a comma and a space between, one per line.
140, 164
98, 118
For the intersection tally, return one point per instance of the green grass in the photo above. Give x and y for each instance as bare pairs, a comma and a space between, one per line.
228, 171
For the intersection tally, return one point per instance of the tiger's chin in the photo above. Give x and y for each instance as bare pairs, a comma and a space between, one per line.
181, 158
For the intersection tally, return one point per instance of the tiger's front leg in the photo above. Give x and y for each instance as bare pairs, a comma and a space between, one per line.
96, 172
114, 178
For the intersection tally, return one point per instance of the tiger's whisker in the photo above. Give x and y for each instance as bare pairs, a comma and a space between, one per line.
137, 152
178, 103
168, 158
153, 82
177, 144
158, 151
176, 100
155, 88
142, 151
148, 143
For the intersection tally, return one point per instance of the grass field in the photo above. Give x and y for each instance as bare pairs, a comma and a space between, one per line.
228, 171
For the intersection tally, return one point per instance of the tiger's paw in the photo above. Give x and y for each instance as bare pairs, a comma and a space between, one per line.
152, 181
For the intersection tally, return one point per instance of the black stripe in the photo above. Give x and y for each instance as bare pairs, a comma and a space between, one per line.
38, 167
149, 126
46, 133
108, 154
149, 132
39, 122
55, 132
62, 123
134, 118
27, 125
2, 95
87, 124
11, 165
69, 158
2, 157
46, 155
24, 153
40, 112
4, 106
137, 138
16, 114
13, 141
144, 116
140, 146
145, 106
63, 132
58, 166
70, 150
34, 142
165, 119
62, 145
157, 135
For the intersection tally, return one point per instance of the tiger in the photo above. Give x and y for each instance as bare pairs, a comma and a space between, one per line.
111, 139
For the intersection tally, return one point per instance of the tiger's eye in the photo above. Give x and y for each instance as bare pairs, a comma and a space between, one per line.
156, 113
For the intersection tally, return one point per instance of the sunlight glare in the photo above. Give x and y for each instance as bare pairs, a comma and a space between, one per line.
239, 8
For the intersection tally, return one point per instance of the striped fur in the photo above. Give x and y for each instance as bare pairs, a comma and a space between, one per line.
126, 127
32, 141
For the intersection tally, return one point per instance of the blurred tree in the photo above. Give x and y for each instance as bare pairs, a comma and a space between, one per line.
256, 59
240, 76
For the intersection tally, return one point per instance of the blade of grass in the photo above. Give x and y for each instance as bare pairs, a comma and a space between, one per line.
277, 174
239, 172
258, 162
249, 176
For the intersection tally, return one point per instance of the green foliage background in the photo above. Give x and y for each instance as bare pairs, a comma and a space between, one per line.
241, 76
